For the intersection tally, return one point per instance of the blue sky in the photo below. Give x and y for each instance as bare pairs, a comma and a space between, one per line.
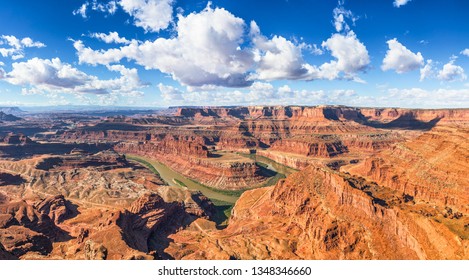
396, 53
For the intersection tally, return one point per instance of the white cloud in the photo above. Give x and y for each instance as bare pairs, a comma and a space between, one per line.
81, 11
169, 93
351, 54
104, 57
257, 93
426, 71
151, 15
451, 72
206, 51
214, 48
17, 46
110, 8
112, 37
315, 50
465, 52
277, 58
398, 3
266, 94
401, 59
422, 98
340, 14
44, 76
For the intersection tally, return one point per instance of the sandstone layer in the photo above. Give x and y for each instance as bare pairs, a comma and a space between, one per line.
90, 206
321, 214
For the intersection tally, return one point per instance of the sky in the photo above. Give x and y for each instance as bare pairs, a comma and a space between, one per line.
158, 53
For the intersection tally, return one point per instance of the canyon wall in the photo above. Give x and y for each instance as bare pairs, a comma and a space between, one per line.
320, 214
432, 167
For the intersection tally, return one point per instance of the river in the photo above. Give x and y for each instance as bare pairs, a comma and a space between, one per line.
172, 177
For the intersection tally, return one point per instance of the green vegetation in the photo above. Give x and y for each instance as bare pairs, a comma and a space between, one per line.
223, 212
235, 193
180, 183
223, 208
273, 180
147, 165
261, 164
264, 162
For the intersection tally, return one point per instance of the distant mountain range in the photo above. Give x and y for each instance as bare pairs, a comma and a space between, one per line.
12, 110
8, 117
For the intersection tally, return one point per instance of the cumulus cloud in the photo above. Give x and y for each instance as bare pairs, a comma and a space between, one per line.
277, 58
170, 93
82, 10
401, 59
151, 15
398, 3
465, 52
109, 8
426, 71
340, 15
214, 48
16, 46
96, 57
451, 72
351, 56
53, 76
112, 37
206, 51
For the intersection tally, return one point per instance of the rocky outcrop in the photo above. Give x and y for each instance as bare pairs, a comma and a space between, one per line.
105, 160
19, 240
148, 221
287, 159
105, 178
320, 214
24, 229
310, 148
222, 172
139, 231
5, 255
398, 115
359, 115
20, 213
180, 145
433, 167
114, 214
16, 139
57, 208
33, 149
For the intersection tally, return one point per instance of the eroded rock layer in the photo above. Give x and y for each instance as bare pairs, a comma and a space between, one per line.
90, 206
321, 214
372, 184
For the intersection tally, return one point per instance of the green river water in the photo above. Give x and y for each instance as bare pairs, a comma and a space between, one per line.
223, 200
174, 178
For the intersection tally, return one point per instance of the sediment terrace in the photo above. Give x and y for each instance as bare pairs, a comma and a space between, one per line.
361, 183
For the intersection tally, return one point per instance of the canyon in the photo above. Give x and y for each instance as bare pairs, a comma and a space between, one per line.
258, 182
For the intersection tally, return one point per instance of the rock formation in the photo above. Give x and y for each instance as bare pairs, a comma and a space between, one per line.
373, 183
321, 214
432, 167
